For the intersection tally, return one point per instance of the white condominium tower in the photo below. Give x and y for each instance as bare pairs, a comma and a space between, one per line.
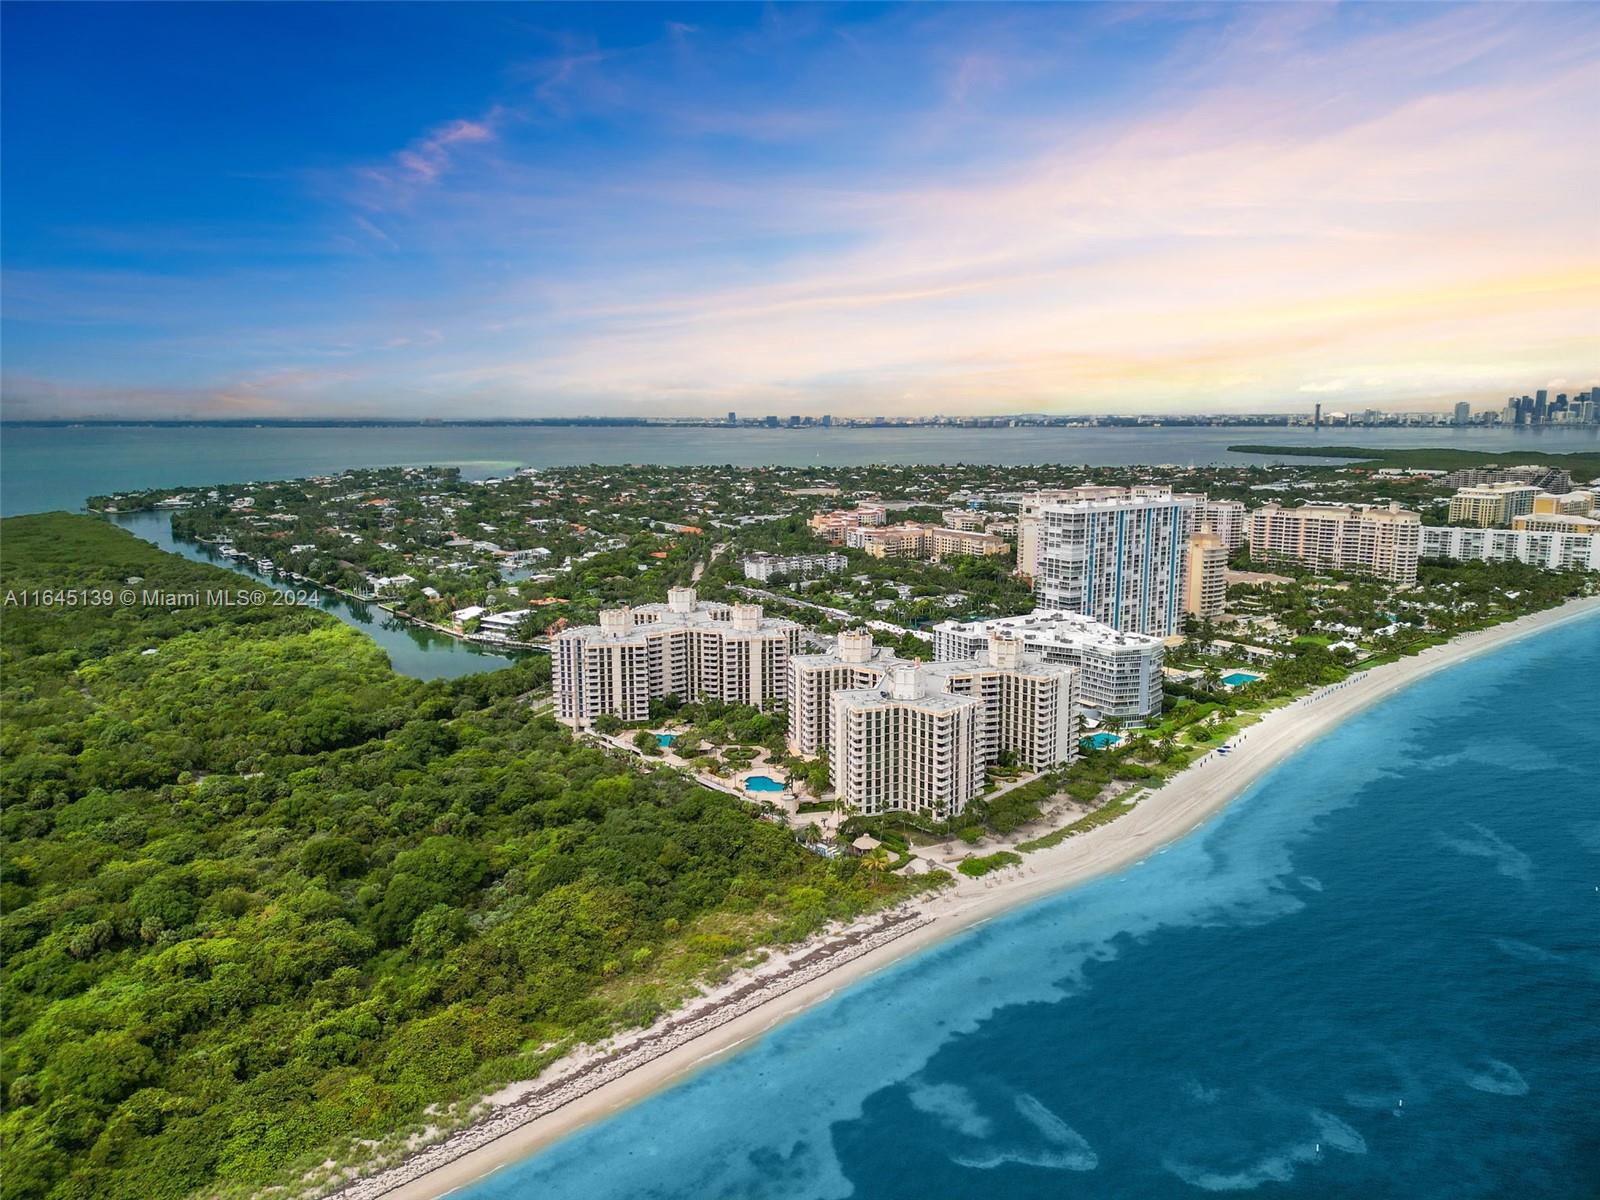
1029, 705
1029, 510
1379, 541
906, 748
1119, 674
855, 663
1116, 558
682, 648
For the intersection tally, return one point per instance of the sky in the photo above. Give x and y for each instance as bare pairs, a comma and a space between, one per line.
221, 210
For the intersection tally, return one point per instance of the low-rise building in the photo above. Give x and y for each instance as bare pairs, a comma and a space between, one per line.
833, 526
908, 540
912, 540
971, 519
957, 543
765, 567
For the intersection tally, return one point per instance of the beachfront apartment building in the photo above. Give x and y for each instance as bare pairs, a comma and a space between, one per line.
853, 664
1119, 674
1553, 551
1114, 555
906, 747
765, 567
1205, 589
1492, 504
1378, 540
685, 648
1030, 706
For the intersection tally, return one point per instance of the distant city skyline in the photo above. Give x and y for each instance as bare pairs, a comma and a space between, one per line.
362, 211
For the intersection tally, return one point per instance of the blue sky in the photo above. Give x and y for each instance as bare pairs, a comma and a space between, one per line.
533, 210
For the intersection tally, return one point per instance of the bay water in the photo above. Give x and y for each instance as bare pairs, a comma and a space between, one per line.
58, 467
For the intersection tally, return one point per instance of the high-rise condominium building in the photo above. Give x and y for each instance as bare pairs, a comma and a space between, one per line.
1119, 674
1115, 558
683, 648
1030, 511
1492, 503
1205, 591
1380, 541
854, 664
906, 747
1551, 550
1029, 706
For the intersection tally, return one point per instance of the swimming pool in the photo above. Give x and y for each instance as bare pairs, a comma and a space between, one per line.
665, 739
763, 783
1099, 741
1239, 678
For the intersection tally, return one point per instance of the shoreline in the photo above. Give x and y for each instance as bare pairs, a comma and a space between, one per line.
604, 1080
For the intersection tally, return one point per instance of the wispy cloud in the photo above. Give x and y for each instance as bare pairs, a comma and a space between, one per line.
424, 162
965, 208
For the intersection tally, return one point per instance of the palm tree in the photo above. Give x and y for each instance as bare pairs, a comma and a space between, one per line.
876, 859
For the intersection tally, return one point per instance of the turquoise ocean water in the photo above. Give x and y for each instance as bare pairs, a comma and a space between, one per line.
1376, 975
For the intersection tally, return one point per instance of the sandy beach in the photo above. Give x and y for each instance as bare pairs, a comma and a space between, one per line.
587, 1088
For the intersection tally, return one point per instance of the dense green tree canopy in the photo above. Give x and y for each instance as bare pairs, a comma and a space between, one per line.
263, 896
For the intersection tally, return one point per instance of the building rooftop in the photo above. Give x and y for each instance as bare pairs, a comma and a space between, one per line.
1045, 625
